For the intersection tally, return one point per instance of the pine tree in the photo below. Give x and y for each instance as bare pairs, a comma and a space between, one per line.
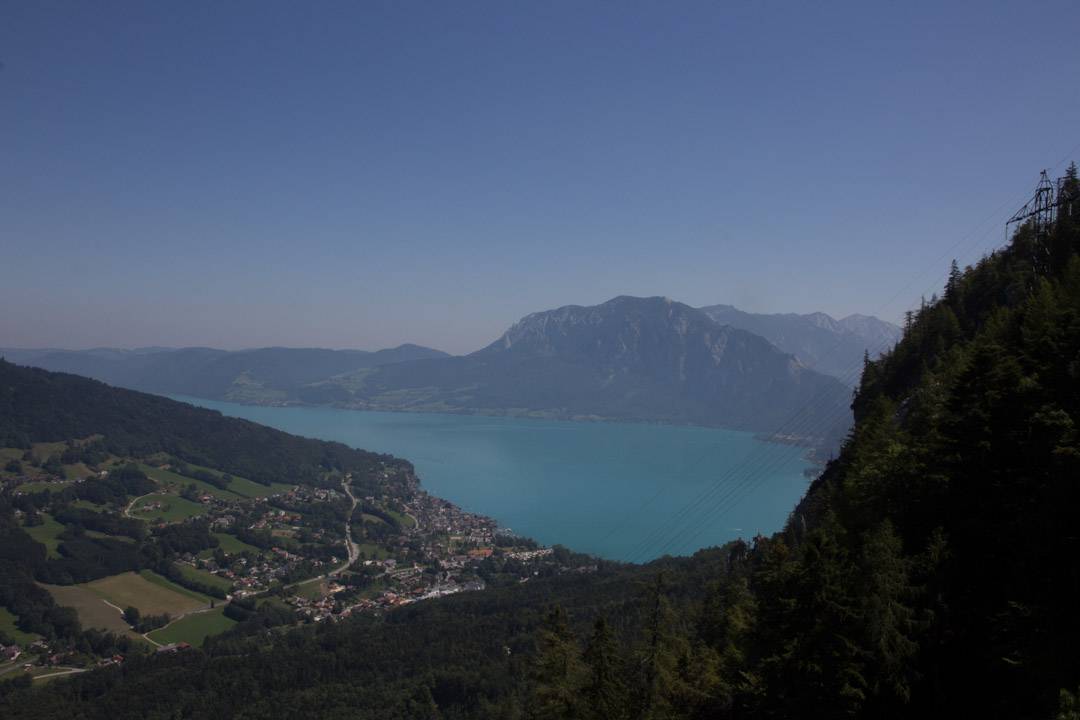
604, 690
657, 663
559, 671
887, 620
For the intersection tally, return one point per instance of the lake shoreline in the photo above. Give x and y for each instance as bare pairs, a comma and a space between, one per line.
605, 488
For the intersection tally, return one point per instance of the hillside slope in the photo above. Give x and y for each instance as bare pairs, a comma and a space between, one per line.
41, 406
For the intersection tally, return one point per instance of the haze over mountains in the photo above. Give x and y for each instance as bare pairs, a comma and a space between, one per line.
628, 359
834, 347
266, 375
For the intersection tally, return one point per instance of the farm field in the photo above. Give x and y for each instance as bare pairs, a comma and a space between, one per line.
244, 487
173, 508
106, 536
43, 486
92, 610
406, 521
43, 450
151, 593
311, 590
10, 454
251, 489
169, 585
7, 627
233, 544
47, 534
175, 481
204, 577
194, 629
87, 505
77, 471
370, 551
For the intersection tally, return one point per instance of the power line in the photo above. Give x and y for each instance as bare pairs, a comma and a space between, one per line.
684, 520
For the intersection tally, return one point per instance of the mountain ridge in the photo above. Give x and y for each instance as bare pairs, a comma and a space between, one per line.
630, 358
834, 347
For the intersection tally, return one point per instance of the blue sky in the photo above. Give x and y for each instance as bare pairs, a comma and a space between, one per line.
364, 174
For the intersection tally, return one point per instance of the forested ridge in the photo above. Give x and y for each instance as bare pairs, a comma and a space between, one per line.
41, 406
933, 570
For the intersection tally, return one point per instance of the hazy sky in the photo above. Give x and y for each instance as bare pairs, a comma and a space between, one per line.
363, 174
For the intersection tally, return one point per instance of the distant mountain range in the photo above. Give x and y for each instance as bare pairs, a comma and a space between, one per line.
834, 347
263, 376
628, 359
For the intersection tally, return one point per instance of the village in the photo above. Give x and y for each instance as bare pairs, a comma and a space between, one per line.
403, 550
231, 547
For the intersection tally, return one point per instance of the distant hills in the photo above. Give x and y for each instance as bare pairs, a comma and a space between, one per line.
263, 376
630, 358
834, 347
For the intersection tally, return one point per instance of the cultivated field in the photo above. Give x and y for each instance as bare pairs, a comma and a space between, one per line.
194, 629
174, 481
7, 627
233, 544
173, 508
47, 534
151, 593
92, 610
204, 577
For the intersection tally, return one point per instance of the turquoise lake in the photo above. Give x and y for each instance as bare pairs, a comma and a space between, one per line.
623, 491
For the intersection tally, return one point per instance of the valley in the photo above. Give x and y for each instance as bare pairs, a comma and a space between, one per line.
154, 553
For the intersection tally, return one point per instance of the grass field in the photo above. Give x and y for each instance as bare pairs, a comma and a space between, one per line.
163, 582
405, 520
174, 481
311, 591
151, 593
244, 487
251, 489
238, 487
76, 471
232, 544
47, 534
7, 627
173, 508
10, 454
375, 519
43, 486
93, 612
86, 504
194, 629
372, 552
204, 577
106, 536
43, 450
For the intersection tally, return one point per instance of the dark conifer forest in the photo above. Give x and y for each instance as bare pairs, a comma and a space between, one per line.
933, 569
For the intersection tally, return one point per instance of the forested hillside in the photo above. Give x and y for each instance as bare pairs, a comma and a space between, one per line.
40, 406
932, 571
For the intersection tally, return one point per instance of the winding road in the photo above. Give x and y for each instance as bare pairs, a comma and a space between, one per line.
351, 547
353, 550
